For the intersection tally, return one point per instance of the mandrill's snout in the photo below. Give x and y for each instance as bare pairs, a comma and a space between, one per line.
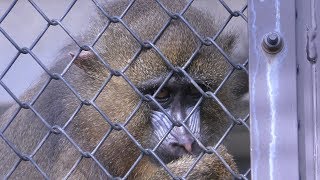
181, 142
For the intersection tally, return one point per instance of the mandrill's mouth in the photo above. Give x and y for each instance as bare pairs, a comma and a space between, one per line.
170, 151
181, 139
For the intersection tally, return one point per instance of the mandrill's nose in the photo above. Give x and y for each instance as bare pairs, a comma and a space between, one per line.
187, 146
182, 139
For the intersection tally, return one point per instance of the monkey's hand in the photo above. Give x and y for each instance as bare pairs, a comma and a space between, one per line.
209, 167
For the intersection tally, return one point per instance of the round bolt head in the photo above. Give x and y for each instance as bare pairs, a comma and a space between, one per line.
272, 38
272, 43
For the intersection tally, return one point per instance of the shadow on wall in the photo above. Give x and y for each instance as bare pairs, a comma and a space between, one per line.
24, 31
4, 107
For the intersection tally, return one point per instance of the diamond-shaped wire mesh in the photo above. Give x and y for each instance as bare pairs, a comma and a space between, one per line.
78, 123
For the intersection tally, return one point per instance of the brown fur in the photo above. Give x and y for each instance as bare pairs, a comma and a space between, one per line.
209, 167
117, 100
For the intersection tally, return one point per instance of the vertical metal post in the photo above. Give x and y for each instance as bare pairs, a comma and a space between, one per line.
308, 43
273, 91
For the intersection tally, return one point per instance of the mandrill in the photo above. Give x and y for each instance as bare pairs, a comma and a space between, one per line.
140, 95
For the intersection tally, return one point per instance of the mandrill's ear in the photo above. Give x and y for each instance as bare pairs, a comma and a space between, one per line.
88, 62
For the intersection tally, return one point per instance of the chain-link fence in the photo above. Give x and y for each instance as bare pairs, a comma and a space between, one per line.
146, 83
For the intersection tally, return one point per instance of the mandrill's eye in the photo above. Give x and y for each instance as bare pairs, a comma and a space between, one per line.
194, 92
163, 95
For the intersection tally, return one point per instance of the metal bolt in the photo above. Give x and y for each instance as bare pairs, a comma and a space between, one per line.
272, 38
272, 43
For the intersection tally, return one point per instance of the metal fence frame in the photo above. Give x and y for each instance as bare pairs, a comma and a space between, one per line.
307, 43
273, 93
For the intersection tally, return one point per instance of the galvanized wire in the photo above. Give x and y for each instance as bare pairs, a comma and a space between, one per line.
56, 129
